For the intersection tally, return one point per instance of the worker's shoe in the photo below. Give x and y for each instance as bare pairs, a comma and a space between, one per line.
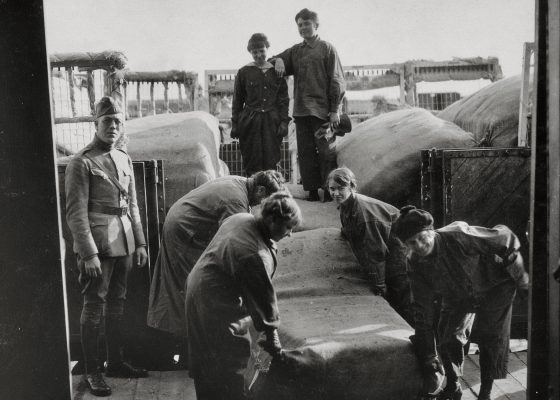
484, 395
313, 195
125, 370
96, 384
451, 392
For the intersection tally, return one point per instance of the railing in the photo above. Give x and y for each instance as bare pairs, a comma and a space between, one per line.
153, 94
230, 153
77, 81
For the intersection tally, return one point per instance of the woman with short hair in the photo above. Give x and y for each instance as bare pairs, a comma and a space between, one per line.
366, 224
477, 271
259, 109
231, 282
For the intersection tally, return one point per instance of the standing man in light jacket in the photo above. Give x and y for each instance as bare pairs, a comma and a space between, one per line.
103, 216
318, 92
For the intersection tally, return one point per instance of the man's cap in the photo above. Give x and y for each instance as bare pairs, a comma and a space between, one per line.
107, 106
344, 126
411, 221
257, 41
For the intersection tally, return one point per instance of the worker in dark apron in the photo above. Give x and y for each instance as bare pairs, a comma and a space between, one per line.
477, 272
230, 283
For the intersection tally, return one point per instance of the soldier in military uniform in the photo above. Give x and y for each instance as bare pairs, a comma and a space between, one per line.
103, 216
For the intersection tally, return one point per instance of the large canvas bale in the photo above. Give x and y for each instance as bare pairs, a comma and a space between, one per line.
344, 342
188, 143
384, 152
491, 113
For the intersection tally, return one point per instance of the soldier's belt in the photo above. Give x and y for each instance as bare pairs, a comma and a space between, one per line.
121, 211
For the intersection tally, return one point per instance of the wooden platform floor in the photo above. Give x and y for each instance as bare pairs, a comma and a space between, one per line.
176, 385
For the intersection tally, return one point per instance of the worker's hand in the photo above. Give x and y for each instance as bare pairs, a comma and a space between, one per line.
523, 286
279, 67
434, 375
271, 344
282, 129
379, 290
92, 267
433, 365
140, 256
234, 133
334, 120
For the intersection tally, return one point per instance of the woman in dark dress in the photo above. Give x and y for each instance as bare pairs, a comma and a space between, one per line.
230, 283
259, 110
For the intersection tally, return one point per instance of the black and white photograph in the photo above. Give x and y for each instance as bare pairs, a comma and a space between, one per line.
258, 200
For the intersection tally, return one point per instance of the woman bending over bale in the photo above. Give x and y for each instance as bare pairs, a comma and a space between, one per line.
366, 224
259, 109
231, 282
477, 272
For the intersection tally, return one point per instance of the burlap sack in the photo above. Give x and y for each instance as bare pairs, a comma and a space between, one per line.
384, 152
342, 341
491, 114
187, 142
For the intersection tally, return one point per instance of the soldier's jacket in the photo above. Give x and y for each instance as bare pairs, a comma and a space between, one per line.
86, 186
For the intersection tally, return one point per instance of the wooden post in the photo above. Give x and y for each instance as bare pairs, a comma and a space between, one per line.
138, 100
125, 103
188, 97
553, 148
152, 99
524, 100
180, 96
33, 334
166, 97
91, 91
107, 83
70, 74
544, 208
402, 84
409, 84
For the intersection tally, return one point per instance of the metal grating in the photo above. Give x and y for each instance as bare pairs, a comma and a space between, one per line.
230, 153
437, 101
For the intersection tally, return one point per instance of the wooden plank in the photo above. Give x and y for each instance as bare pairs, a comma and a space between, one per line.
138, 100
508, 388
176, 385
152, 100
471, 377
166, 97
518, 369
148, 388
121, 388
524, 101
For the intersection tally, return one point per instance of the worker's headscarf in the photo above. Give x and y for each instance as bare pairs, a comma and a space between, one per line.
411, 221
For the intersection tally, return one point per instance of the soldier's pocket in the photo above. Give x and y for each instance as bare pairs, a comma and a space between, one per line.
99, 227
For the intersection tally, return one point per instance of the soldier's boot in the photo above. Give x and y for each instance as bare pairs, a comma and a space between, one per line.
92, 377
116, 366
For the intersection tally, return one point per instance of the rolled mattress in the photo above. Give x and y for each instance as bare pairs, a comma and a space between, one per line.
188, 143
384, 152
342, 341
